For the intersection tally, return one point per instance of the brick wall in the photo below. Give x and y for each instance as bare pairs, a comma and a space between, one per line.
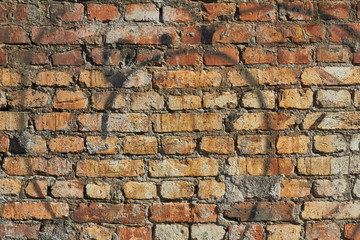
179, 120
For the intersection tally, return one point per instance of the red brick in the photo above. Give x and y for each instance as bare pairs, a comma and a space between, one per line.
48, 35
72, 58
183, 57
183, 212
55, 121
296, 11
218, 11
256, 12
4, 143
106, 57
142, 12
70, 100
33, 210
222, 56
31, 57
342, 32
352, 231
262, 211
13, 34
68, 12
237, 232
31, 166
132, 233
295, 56
109, 213
333, 53
148, 57
66, 144
3, 57
356, 58
320, 230
67, 189
4, 12
90, 34
27, 12
37, 189
259, 55
102, 12
177, 15
334, 10
142, 35
15, 230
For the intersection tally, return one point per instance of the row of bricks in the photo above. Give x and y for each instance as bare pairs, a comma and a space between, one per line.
316, 230
148, 145
151, 100
171, 190
189, 167
163, 35
149, 12
190, 57
246, 77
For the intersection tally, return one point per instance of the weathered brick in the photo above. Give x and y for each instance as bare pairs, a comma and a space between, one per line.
39, 145
90, 34
220, 56
352, 231
108, 100
131, 122
211, 189
8, 78
220, 100
171, 231
55, 121
48, 35
3, 57
28, 12
334, 10
256, 12
183, 57
10, 186
130, 233
70, 100
187, 79
217, 144
355, 142
186, 122
296, 11
207, 231
176, 14
254, 144
314, 166
184, 102
146, 101
295, 188
30, 166
37, 189
262, 211
329, 143
356, 188
259, 99
189, 167
344, 32
254, 231
325, 210
102, 12
4, 143
109, 168
263, 121
66, 144
106, 56
331, 120
140, 145
68, 12
28, 99
357, 98
102, 145
53, 78
142, 35
13, 121
71, 58
15, 230
3, 100
34, 210
330, 188
183, 212
95, 232
178, 145
283, 231
333, 98
292, 144
295, 56
13, 35
216, 11
332, 53
140, 190
269, 166
176, 189
67, 189
109, 213
4, 12
98, 190
142, 12
259, 55
30, 57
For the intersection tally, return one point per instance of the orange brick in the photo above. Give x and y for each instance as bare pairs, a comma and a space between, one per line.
55, 121
146, 101
25, 231
11, 121
216, 11
102, 145
8, 78
211, 189
333, 53
96, 232
217, 144
108, 100
222, 56
295, 56
324, 210
254, 144
177, 189
334, 10
28, 99
220, 100
330, 143
290, 145
352, 231
269, 166
10, 186
184, 102
70, 100
283, 231
178, 145
130, 233
256, 12
98, 190
140, 190
183, 57
53, 78
296, 98
66, 144
67, 189
259, 55
295, 188
259, 99
4, 143
102, 12
140, 145
37, 189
